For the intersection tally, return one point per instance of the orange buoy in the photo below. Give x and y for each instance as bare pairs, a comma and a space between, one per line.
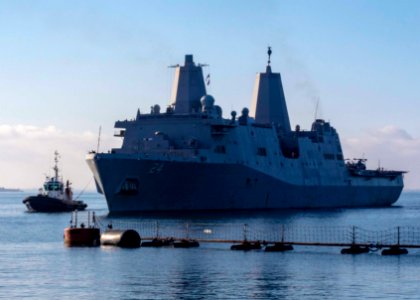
88, 237
82, 236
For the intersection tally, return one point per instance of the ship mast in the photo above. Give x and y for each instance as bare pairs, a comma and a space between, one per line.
188, 87
268, 103
55, 168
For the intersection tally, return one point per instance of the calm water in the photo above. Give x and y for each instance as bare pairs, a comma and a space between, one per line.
35, 264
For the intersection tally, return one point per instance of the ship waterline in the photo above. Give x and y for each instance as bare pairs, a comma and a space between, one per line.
190, 157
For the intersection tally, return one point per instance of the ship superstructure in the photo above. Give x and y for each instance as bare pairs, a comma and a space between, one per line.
189, 157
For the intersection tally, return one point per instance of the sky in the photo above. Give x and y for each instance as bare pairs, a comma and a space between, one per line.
69, 67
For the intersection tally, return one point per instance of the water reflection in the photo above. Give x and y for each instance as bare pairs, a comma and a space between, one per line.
34, 262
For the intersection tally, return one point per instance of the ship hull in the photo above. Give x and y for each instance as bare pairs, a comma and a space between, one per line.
42, 203
186, 186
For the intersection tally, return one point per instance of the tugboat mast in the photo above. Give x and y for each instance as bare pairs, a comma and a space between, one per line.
55, 168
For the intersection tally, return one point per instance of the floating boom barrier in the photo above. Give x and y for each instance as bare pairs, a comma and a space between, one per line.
272, 237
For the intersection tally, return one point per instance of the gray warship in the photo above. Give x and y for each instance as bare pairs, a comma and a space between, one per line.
189, 157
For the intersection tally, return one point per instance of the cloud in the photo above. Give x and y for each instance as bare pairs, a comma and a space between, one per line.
390, 147
392, 132
27, 154
27, 131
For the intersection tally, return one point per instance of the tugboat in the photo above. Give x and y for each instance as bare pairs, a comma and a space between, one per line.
54, 197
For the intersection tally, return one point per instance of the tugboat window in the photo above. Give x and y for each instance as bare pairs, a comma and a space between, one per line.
52, 187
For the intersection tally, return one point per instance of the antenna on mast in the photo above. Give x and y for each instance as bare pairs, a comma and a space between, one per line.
316, 108
55, 168
269, 55
99, 139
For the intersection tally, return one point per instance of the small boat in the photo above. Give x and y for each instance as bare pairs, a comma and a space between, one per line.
186, 243
54, 196
355, 249
245, 246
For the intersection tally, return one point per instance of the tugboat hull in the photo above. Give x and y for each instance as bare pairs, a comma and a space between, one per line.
42, 203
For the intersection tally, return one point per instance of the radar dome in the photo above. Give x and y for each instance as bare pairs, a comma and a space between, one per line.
218, 111
245, 112
156, 109
207, 102
207, 99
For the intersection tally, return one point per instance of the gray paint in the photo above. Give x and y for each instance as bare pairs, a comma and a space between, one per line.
193, 159
269, 103
166, 186
188, 87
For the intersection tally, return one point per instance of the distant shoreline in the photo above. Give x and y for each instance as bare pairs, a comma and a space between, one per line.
2, 189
